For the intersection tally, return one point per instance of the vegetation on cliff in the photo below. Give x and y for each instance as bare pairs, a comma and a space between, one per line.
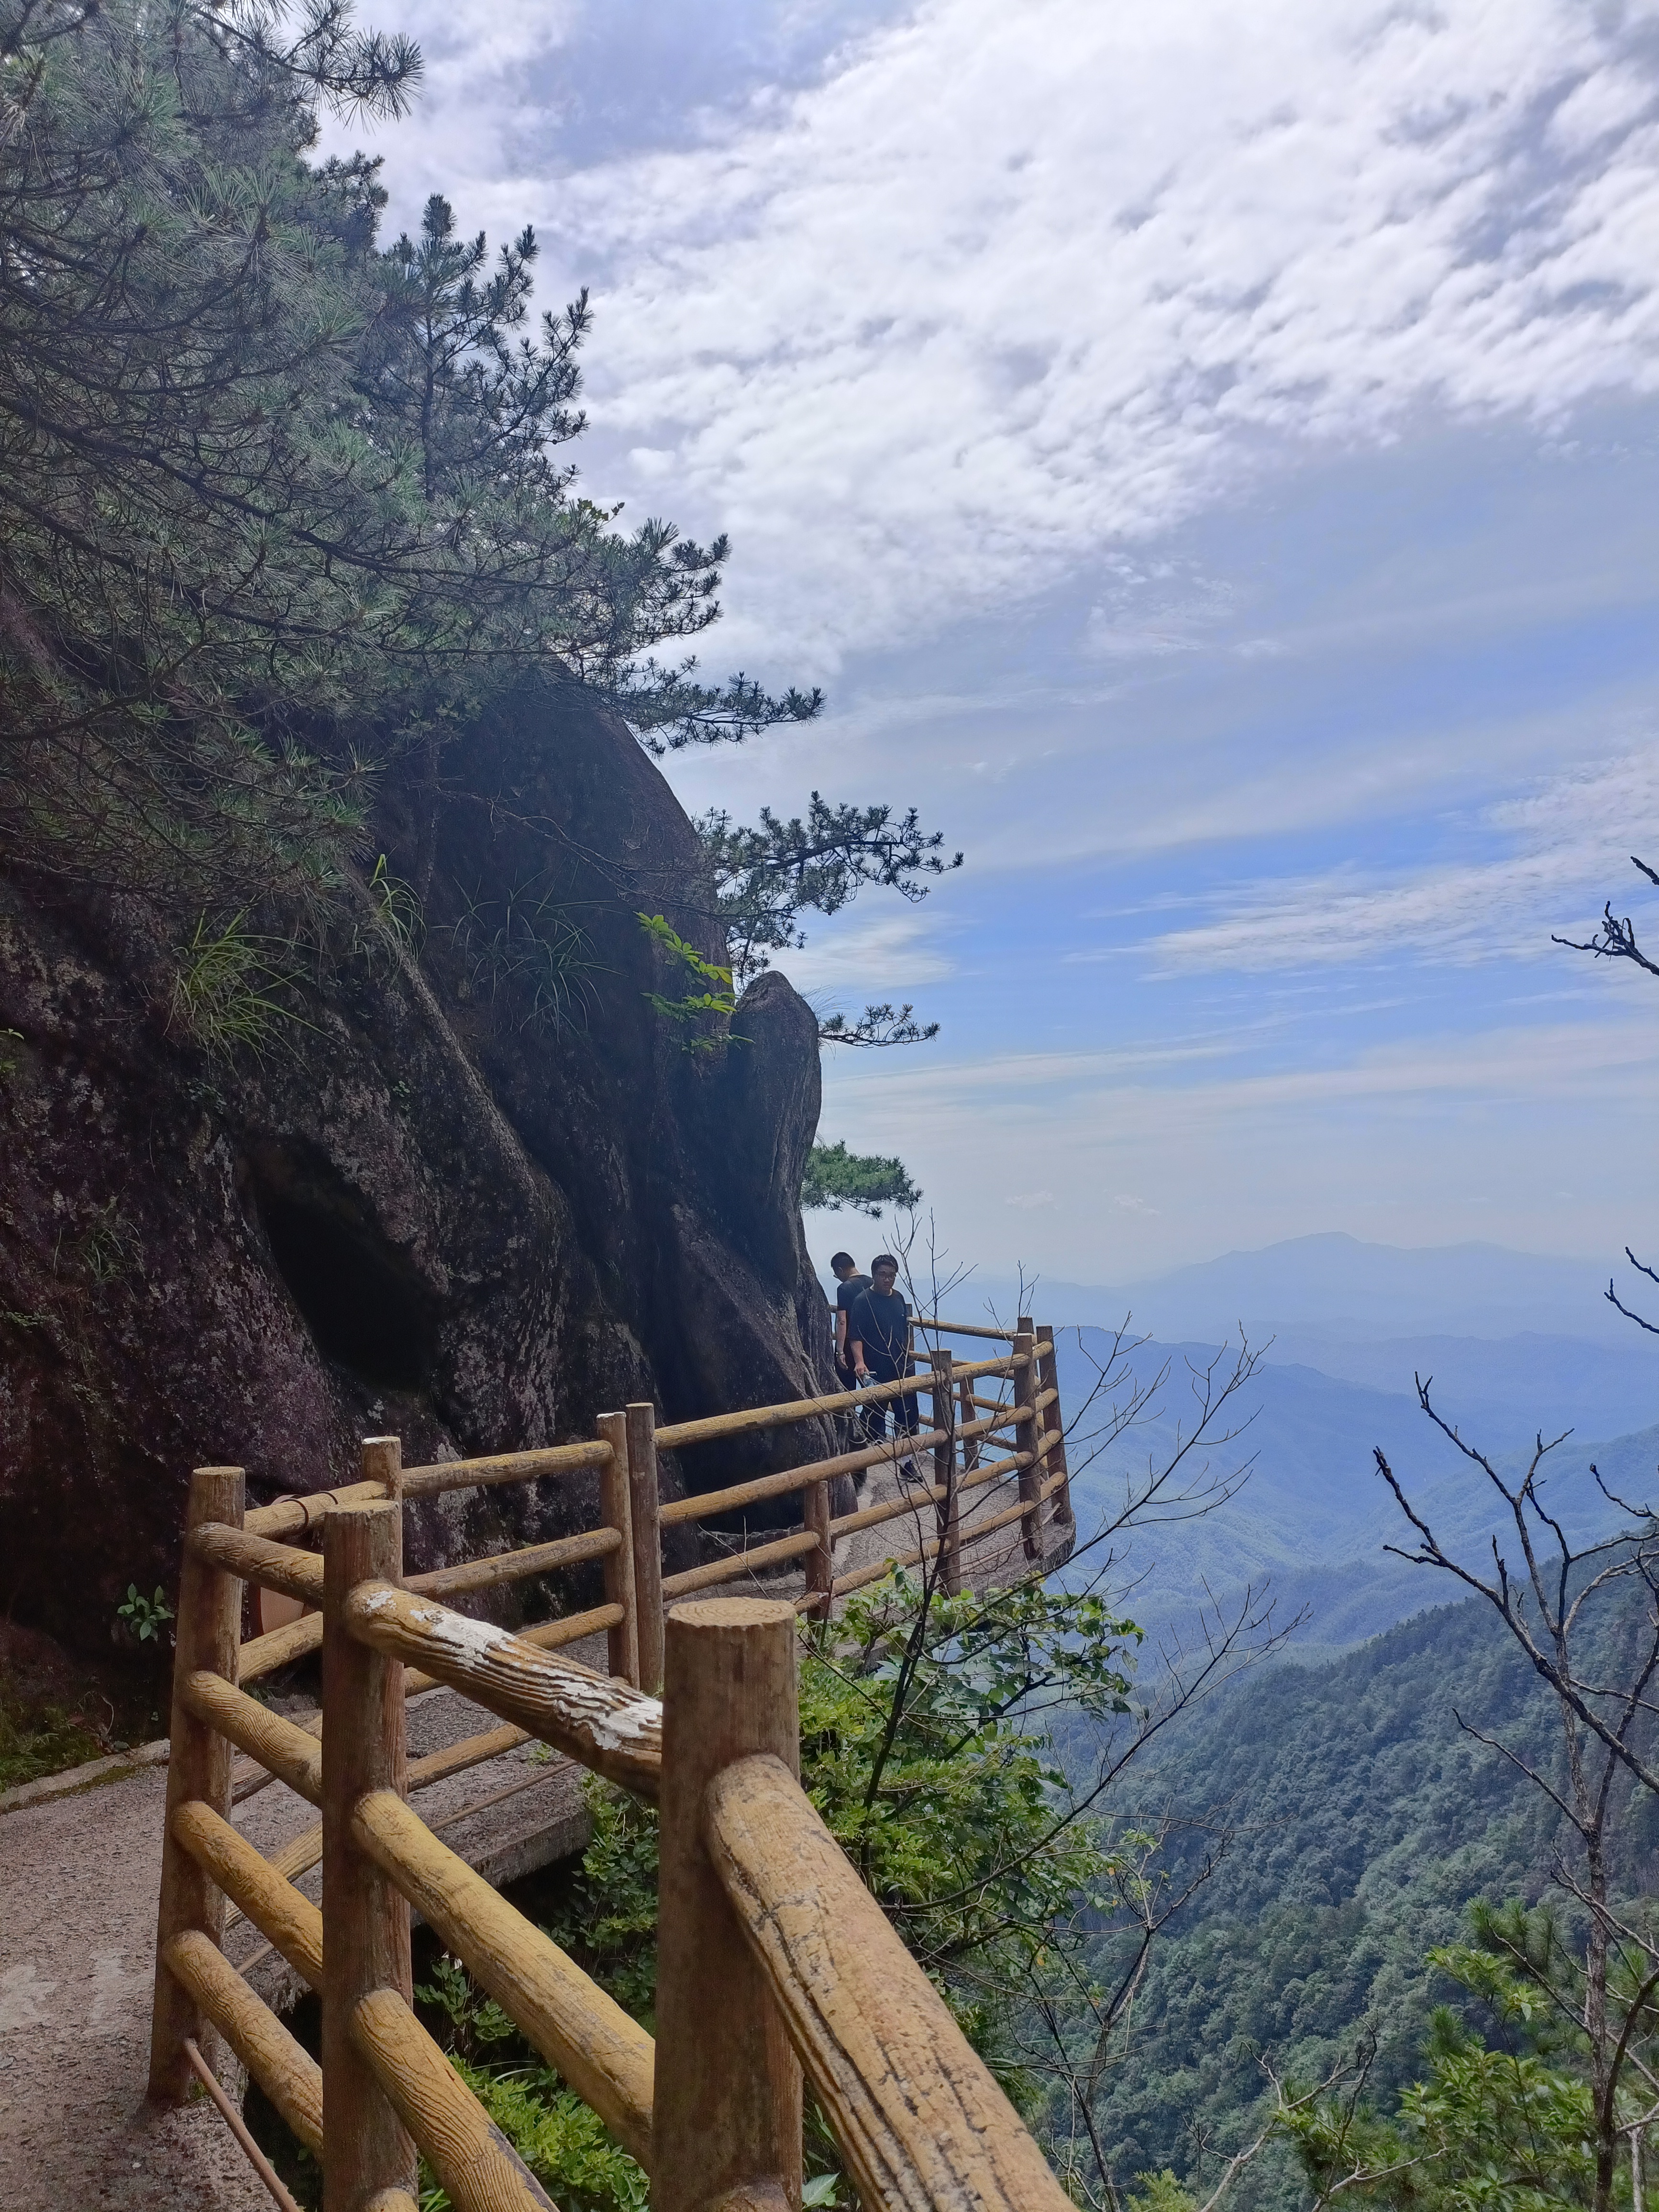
280, 506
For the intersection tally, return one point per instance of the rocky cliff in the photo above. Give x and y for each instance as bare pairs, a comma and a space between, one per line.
475, 1191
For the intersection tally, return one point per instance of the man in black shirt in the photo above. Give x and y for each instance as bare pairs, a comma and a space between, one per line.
848, 1283
879, 1338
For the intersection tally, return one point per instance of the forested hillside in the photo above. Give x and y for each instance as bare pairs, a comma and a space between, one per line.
1356, 1820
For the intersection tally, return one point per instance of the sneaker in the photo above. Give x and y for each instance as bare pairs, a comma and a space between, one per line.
908, 1471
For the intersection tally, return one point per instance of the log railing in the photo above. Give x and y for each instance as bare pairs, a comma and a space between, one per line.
973, 1452
772, 1958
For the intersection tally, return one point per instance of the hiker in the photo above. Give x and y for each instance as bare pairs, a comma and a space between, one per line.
849, 1282
879, 1338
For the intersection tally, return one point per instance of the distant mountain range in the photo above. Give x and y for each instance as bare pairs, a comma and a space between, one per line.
1514, 1342
1314, 1517
1336, 1288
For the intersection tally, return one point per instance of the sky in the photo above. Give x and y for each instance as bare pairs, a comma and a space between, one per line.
1210, 459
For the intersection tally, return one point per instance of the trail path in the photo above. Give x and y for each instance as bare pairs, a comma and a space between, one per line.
79, 1877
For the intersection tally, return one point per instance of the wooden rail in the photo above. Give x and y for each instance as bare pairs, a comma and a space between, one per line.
919, 2118
808, 1977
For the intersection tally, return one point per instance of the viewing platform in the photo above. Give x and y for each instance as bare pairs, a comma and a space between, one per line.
987, 1503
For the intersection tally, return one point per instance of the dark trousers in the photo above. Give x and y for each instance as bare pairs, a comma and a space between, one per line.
884, 1370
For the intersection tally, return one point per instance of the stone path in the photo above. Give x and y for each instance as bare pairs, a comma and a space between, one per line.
78, 1878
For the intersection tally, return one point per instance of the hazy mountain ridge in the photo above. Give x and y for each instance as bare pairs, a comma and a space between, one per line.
1338, 1288
1313, 1519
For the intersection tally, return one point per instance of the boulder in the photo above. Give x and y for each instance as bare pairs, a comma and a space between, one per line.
476, 1190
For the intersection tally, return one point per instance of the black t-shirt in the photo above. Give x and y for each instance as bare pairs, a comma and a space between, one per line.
881, 1324
847, 1293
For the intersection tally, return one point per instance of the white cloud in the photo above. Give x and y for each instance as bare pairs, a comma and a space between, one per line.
1029, 1201
1082, 1101
1012, 284
880, 952
1564, 843
1422, 1141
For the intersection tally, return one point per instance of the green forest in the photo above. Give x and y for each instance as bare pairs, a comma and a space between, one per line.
1360, 1822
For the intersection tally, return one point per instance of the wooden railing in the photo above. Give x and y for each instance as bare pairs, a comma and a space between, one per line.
975, 1447
772, 1957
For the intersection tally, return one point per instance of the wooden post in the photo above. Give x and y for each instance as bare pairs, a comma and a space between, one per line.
1049, 1375
208, 1637
1030, 1477
619, 1583
970, 1444
643, 1505
821, 1563
728, 2086
382, 1461
944, 1472
366, 1946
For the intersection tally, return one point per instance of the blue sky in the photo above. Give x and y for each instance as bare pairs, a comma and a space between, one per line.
1211, 460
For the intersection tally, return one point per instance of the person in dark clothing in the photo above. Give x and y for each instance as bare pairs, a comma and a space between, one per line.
848, 1283
879, 1338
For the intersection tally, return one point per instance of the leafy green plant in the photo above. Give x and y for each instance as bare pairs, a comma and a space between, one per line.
9, 1061
146, 1616
609, 1922
528, 940
561, 2140
695, 1007
865, 1182
397, 910
232, 989
471, 2022
923, 1746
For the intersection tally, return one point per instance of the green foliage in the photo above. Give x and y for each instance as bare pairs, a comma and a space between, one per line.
1160, 2192
560, 2139
471, 2022
695, 1007
275, 501
1365, 1822
878, 1026
1367, 1826
527, 942
923, 1749
609, 1922
1510, 2130
146, 1616
41, 1740
862, 1182
232, 989
563, 2142
767, 876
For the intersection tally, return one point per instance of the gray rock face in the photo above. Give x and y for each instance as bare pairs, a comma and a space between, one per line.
482, 1194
